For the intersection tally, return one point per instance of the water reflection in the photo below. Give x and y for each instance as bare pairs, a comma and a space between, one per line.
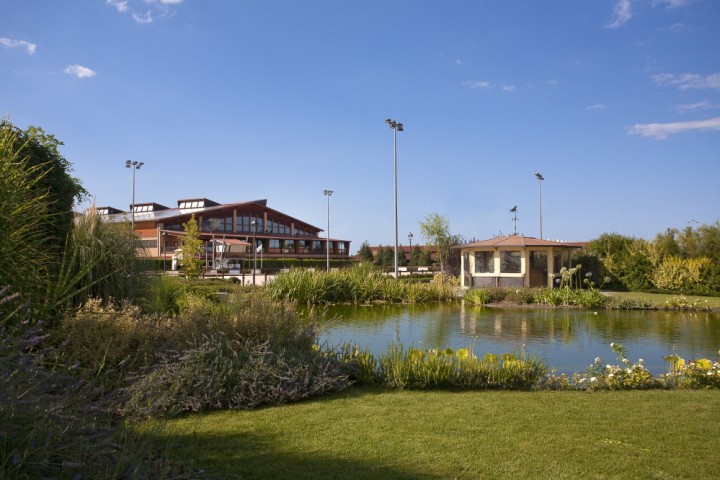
568, 340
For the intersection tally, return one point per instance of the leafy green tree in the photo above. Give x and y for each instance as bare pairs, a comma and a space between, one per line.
436, 232
364, 253
40, 156
191, 249
415, 256
385, 257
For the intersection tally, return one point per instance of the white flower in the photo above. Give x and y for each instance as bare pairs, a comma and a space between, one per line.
597, 359
608, 366
611, 375
612, 344
640, 361
593, 379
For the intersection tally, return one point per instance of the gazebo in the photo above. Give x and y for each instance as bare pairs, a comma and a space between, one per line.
514, 261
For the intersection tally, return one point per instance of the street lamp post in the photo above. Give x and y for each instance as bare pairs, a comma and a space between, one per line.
540, 179
397, 127
410, 237
254, 225
134, 165
327, 241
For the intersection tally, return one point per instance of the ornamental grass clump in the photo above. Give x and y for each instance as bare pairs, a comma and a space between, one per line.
459, 369
360, 284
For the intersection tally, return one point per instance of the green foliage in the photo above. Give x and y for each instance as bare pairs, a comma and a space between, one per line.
364, 253
191, 249
105, 264
478, 296
385, 257
361, 284
448, 369
25, 262
436, 231
49, 173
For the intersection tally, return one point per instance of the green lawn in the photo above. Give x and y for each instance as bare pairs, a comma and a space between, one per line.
661, 298
366, 433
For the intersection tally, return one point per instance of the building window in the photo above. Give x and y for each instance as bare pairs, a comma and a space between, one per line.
149, 243
289, 246
509, 261
274, 246
341, 248
303, 246
317, 246
484, 262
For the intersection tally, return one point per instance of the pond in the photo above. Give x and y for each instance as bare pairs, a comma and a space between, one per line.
568, 340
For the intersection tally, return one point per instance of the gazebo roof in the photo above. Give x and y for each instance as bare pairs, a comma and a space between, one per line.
520, 241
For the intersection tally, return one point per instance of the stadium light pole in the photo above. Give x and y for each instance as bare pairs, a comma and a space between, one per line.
540, 179
327, 242
397, 127
254, 225
135, 165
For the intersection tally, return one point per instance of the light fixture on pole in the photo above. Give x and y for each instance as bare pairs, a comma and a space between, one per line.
397, 127
540, 179
164, 250
254, 225
134, 165
327, 242
410, 237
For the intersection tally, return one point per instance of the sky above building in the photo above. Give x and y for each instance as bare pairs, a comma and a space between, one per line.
615, 102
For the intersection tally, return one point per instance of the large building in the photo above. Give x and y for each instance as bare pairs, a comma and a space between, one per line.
231, 228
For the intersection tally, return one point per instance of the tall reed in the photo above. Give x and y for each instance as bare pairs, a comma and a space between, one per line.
360, 284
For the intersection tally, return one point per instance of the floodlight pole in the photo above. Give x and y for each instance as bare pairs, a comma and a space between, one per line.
540, 179
397, 127
134, 165
327, 241
254, 225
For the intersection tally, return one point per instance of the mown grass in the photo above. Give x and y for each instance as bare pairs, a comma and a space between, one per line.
661, 299
367, 433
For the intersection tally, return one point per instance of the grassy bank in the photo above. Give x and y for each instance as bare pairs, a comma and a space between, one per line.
366, 433
663, 299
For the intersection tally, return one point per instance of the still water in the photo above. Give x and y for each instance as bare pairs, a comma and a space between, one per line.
568, 340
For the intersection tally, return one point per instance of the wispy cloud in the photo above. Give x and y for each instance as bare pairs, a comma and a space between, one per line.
143, 17
478, 84
694, 107
622, 12
660, 131
597, 106
155, 8
120, 5
552, 82
688, 81
508, 88
10, 43
79, 71
673, 3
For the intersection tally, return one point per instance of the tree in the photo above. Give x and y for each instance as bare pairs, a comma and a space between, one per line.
385, 257
436, 232
39, 155
415, 256
191, 249
365, 254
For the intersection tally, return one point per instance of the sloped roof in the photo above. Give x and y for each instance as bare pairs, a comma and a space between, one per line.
520, 241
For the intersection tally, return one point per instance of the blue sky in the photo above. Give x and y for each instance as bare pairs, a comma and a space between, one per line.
616, 103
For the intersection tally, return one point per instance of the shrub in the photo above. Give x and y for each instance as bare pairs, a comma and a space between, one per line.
220, 372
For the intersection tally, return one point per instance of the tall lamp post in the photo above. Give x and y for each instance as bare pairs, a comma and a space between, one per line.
134, 165
254, 225
397, 127
540, 179
327, 242
410, 237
